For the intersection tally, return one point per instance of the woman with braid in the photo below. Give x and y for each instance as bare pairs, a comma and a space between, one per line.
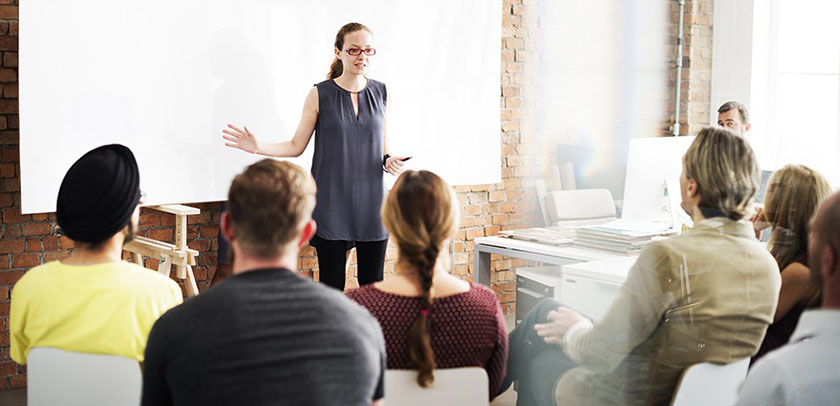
430, 318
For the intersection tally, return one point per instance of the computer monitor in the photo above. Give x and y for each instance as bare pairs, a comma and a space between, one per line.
762, 190
653, 168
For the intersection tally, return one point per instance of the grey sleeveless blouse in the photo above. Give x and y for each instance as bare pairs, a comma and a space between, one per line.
347, 163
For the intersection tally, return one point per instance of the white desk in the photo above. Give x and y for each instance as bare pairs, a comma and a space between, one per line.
591, 287
586, 280
531, 251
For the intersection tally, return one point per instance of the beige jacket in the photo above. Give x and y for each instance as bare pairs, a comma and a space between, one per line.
707, 295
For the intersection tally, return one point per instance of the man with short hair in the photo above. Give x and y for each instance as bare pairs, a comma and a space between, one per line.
92, 301
734, 116
807, 370
266, 335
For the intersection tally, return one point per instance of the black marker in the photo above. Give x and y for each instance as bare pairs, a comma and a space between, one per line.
405, 159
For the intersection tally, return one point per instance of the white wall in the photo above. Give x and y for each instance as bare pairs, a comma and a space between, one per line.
602, 76
732, 53
739, 67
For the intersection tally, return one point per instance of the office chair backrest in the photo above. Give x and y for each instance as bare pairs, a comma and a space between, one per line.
710, 384
58, 377
582, 205
452, 387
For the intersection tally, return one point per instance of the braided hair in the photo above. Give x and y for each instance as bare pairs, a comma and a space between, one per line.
421, 215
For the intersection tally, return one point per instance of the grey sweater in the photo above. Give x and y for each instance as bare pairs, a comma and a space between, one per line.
265, 337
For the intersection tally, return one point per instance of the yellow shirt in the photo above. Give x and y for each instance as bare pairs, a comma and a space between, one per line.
103, 309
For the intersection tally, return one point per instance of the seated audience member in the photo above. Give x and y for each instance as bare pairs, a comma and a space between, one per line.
266, 335
430, 318
92, 301
807, 370
793, 195
706, 295
735, 117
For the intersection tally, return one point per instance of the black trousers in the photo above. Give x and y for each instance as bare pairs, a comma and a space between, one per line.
332, 260
533, 363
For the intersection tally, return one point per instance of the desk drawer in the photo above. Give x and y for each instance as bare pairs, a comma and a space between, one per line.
590, 297
525, 301
528, 294
531, 285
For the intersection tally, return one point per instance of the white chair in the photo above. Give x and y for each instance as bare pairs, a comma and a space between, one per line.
710, 384
580, 207
58, 377
452, 387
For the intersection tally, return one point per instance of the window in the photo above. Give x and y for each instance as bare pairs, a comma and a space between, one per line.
796, 84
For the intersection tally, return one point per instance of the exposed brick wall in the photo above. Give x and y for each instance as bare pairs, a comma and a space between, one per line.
696, 78
21, 241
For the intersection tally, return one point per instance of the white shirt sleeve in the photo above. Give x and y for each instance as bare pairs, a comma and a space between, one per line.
584, 325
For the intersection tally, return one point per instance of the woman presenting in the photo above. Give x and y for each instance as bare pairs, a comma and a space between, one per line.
347, 112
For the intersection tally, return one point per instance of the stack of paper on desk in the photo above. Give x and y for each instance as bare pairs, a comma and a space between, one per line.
626, 237
544, 235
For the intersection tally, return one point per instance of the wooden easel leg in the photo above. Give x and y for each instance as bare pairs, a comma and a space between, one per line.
181, 272
180, 242
189, 282
165, 266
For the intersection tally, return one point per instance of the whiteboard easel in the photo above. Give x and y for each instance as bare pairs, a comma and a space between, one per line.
168, 254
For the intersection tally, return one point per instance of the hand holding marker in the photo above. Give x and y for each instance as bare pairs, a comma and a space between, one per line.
394, 164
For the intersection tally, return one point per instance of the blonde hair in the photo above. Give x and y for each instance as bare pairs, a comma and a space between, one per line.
421, 213
726, 172
793, 195
268, 205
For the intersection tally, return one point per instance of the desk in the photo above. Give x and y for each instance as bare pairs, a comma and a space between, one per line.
531, 251
585, 280
591, 287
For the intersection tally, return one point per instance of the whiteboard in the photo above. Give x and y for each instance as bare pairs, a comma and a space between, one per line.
163, 77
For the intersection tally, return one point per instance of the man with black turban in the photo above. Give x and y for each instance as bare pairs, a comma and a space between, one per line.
93, 301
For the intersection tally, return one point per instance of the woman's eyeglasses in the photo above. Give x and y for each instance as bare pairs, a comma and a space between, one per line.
357, 51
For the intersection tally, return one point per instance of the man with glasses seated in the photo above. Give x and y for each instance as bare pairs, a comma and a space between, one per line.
92, 301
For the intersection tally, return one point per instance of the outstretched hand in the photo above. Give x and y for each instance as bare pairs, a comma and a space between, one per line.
241, 139
394, 165
558, 322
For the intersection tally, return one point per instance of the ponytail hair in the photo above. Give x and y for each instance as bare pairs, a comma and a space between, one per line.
421, 213
336, 68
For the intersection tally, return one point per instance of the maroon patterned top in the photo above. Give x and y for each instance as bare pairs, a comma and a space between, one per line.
467, 329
